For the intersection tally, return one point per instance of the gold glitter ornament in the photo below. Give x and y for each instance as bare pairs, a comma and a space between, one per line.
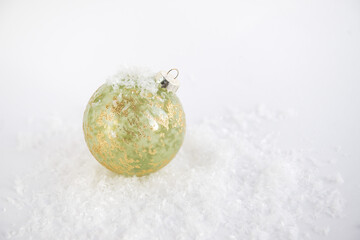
135, 124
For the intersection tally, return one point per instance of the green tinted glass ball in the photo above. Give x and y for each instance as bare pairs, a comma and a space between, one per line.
132, 132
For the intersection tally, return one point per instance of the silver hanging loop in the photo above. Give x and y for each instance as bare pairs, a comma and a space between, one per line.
168, 81
174, 69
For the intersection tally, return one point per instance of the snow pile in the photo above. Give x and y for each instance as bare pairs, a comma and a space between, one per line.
131, 77
229, 181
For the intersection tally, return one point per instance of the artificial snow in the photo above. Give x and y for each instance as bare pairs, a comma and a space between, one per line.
229, 181
131, 77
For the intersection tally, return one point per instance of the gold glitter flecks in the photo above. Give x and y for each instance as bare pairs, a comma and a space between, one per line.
152, 151
105, 119
132, 133
128, 160
118, 107
171, 110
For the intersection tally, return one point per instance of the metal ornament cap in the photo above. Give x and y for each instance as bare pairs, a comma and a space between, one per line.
167, 81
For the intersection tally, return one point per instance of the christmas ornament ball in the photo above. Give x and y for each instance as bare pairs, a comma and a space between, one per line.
133, 124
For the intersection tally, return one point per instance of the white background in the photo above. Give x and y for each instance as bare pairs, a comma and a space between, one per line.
300, 55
